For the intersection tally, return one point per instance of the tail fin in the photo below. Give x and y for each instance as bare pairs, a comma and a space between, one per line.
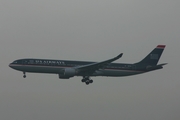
153, 57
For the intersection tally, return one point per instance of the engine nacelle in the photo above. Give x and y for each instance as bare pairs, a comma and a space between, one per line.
67, 73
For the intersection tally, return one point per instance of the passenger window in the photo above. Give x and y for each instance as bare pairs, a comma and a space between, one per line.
31, 62
25, 62
134, 67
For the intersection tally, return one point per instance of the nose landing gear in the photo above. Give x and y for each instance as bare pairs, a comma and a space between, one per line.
24, 76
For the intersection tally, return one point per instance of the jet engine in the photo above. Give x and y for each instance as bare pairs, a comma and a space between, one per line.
67, 73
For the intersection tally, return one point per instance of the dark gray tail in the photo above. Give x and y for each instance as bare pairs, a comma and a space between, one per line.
153, 57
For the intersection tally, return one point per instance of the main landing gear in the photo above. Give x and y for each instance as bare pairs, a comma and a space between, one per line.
24, 76
87, 80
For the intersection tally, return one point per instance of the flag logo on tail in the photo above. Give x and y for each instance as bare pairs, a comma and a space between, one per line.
154, 56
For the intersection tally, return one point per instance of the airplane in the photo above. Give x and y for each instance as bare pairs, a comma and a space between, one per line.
67, 69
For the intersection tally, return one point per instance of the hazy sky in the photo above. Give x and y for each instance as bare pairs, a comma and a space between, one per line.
93, 30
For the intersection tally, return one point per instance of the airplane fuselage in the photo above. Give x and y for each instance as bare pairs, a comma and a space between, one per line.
56, 66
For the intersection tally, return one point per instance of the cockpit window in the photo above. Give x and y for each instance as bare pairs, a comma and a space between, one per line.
15, 62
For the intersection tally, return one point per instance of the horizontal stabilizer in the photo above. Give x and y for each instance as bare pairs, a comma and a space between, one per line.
162, 64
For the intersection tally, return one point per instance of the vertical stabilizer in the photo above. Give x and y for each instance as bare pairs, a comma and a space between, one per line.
153, 57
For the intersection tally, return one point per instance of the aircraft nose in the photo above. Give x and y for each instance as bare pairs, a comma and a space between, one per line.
10, 65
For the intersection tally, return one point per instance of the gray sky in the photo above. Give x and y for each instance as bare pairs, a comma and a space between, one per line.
89, 30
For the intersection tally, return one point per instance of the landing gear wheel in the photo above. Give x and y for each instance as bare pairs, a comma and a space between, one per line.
24, 76
90, 81
83, 80
87, 83
87, 80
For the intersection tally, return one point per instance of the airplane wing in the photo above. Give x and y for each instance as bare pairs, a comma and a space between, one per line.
91, 68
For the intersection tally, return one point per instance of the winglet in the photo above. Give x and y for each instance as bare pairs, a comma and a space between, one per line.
119, 56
